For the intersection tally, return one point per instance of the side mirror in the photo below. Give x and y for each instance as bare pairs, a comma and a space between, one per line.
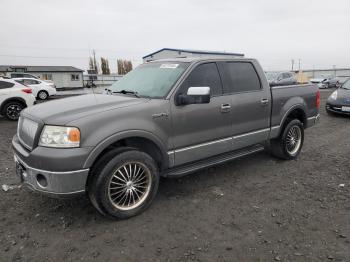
195, 95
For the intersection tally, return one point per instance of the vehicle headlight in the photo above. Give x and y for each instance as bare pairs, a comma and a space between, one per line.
60, 136
334, 95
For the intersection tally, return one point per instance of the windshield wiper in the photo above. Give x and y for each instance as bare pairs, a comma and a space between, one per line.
127, 92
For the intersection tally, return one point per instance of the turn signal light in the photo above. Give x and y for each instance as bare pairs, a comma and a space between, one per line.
27, 90
74, 135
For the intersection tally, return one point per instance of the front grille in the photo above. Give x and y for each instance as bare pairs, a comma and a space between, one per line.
26, 132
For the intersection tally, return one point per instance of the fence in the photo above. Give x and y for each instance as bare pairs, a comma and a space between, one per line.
101, 80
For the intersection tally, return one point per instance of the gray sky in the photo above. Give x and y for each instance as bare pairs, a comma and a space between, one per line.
47, 32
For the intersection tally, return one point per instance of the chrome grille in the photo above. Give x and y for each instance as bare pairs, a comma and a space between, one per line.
26, 132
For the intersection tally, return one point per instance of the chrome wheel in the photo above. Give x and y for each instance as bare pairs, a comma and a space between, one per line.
129, 185
13, 111
293, 140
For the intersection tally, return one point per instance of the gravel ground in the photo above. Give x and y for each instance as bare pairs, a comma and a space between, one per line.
253, 209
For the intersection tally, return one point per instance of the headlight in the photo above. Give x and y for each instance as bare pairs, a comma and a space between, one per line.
60, 136
334, 95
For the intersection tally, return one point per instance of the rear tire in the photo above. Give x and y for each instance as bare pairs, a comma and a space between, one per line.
12, 110
123, 184
43, 95
288, 145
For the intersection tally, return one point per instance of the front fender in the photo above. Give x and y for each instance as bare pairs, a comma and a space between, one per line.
122, 135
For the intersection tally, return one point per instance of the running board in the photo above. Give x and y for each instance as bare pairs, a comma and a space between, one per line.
201, 164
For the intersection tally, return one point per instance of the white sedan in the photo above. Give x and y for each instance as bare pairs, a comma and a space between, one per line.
41, 89
14, 97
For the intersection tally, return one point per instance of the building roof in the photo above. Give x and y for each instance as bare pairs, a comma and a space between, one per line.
10, 68
194, 52
198, 59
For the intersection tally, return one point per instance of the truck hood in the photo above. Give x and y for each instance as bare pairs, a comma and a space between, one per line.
63, 111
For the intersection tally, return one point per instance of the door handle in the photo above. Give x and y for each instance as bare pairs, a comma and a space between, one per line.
264, 101
225, 108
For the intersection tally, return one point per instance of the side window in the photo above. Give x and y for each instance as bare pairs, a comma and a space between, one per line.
28, 82
75, 77
204, 75
4, 85
286, 75
21, 81
240, 77
16, 75
35, 82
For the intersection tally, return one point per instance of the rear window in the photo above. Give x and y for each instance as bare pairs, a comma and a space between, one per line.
240, 77
4, 85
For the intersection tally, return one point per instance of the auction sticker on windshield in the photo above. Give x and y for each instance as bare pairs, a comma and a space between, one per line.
169, 66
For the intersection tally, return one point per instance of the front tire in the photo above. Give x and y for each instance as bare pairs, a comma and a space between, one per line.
288, 145
12, 110
125, 184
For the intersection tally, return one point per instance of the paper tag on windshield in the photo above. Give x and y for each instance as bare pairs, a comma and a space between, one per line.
169, 66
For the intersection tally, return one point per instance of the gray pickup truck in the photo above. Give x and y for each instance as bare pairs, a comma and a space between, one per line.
165, 118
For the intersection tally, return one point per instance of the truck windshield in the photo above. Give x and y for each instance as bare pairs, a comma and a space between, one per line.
346, 85
153, 80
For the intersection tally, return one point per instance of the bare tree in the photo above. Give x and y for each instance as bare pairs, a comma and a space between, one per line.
105, 66
93, 65
124, 66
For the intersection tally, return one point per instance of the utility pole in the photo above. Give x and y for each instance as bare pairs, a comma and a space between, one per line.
292, 64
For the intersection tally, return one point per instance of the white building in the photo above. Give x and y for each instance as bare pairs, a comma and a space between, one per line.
64, 77
166, 53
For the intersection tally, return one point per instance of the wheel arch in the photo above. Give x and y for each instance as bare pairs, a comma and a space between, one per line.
11, 99
141, 140
295, 112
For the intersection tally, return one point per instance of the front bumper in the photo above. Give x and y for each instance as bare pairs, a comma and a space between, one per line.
51, 171
336, 109
51, 183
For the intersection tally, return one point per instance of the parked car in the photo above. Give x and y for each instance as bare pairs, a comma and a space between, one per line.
26, 75
22, 75
14, 97
326, 81
281, 78
339, 101
41, 89
165, 118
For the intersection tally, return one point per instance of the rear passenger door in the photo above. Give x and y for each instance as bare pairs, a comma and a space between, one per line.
251, 105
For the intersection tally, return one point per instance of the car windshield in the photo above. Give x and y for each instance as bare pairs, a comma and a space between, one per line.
271, 75
346, 85
153, 80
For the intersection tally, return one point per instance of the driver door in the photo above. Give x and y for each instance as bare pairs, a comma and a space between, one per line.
201, 130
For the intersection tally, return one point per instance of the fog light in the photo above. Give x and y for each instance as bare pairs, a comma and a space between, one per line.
42, 181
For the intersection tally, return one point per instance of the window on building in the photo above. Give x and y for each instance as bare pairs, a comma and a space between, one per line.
75, 77
4, 85
46, 77
204, 75
240, 77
